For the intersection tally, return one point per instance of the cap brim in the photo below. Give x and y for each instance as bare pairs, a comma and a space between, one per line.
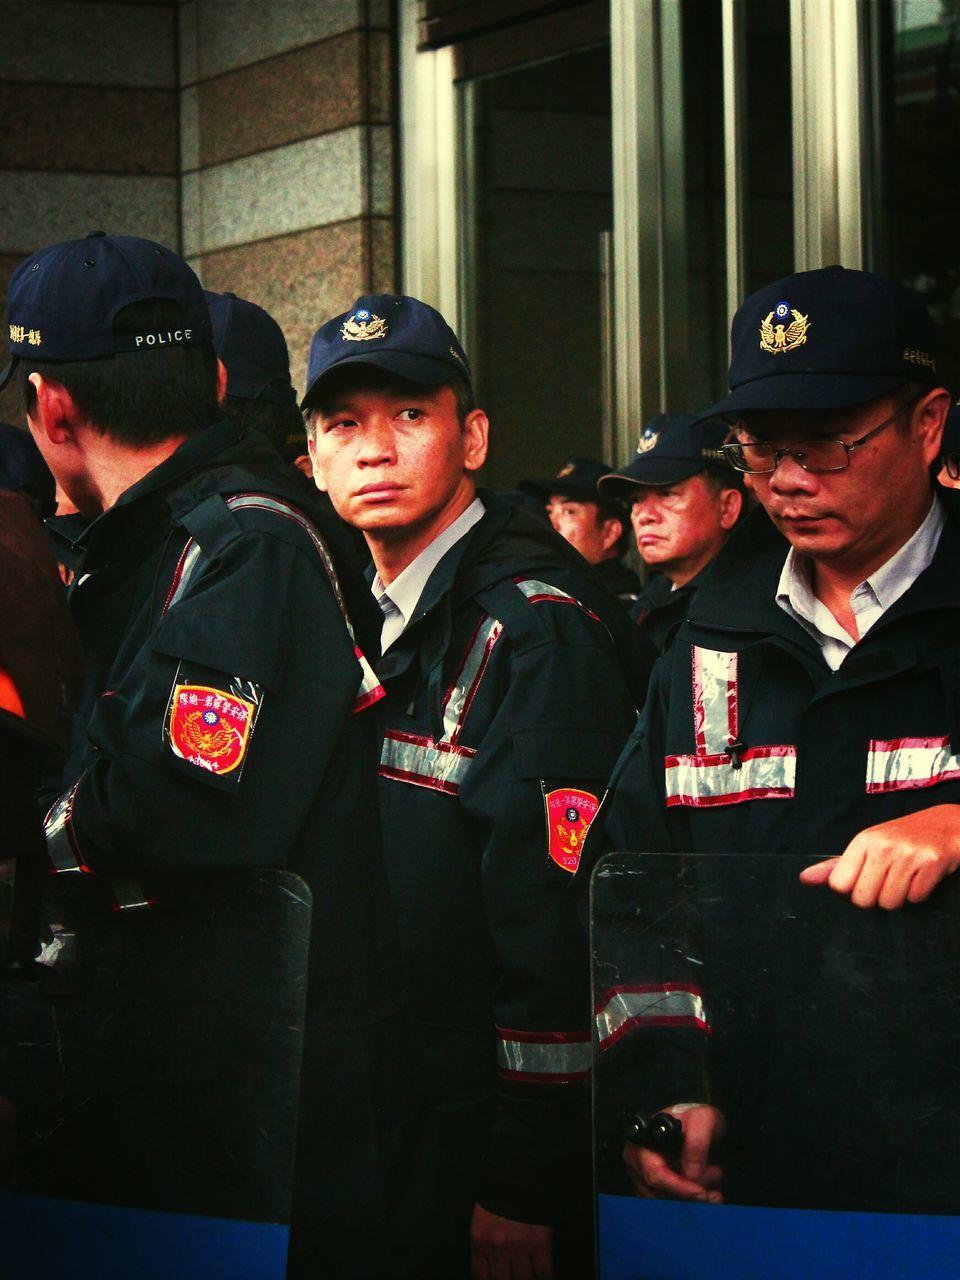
653, 471
7, 374
414, 368
803, 391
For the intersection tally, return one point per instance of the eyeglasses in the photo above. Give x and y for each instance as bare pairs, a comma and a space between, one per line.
757, 458
951, 464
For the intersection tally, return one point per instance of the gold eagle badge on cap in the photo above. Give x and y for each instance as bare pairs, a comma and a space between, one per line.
780, 337
362, 326
648, 440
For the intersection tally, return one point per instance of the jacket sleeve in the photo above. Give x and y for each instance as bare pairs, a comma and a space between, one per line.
211, 746
533, 788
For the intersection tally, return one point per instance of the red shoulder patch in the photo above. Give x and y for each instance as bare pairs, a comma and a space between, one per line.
569, 814
209, 727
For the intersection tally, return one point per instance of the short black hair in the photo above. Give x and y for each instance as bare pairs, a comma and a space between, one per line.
282, 424
371, 377
138, 398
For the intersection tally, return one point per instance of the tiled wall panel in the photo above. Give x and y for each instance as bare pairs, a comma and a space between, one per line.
83, 42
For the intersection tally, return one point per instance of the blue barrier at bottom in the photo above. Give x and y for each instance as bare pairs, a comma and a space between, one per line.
666, 1240
45, 1238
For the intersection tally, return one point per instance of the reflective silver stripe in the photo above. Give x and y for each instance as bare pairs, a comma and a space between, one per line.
659, 1005
765, 773
370, 689
64, 853
188, 563
440, 765
906, 764
62, 848
533, 587
464, 688
443, 764
548, 1057
714, 699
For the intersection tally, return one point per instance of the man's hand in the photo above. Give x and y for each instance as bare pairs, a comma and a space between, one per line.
895, 862
656, 1177
501, 1249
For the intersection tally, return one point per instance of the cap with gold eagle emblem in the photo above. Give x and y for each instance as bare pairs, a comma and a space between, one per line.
400, 334
670, 450
827, 339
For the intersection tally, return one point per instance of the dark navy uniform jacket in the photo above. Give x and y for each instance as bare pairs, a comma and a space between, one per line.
508, 700
749, 744
209, 603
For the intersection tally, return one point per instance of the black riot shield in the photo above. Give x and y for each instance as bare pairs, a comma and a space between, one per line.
825, 1036
155, 1064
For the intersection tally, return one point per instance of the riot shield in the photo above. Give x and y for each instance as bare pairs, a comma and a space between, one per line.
825, 1036
157, 1069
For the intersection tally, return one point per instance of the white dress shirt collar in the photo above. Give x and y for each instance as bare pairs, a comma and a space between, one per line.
399, 601
869, 600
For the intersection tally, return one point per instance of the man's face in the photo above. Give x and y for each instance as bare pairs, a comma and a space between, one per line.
580, 523
853, 519
680, 527
393, 455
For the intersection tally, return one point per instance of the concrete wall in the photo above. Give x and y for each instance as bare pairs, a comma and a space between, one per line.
88, 97
256, 138
286, 144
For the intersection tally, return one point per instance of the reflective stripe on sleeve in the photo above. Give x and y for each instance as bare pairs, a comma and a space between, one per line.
765, 773
543, 1057
371, 690
441, 766
622, 1009
63, 850
62, 847
905, 764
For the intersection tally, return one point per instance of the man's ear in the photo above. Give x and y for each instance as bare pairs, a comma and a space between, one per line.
930, 415
476, 433
611, 531
316, 468
731, 504
54, 413
221, 381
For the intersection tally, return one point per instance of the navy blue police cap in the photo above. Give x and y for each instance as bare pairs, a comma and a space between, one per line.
402, 335
576, 479
827, 339
63, 299
670, 450
252, 347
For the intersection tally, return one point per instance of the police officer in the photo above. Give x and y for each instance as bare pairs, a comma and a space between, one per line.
809, 706
594, 523
685, 500
260, 394
223, 724
507, 701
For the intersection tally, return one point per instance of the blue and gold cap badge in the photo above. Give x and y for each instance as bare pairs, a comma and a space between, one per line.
362, 326
648, 439
783, 329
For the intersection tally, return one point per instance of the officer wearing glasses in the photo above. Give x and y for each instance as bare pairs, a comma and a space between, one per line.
810, 705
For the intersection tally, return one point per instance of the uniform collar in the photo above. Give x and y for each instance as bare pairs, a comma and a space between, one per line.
738, 591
